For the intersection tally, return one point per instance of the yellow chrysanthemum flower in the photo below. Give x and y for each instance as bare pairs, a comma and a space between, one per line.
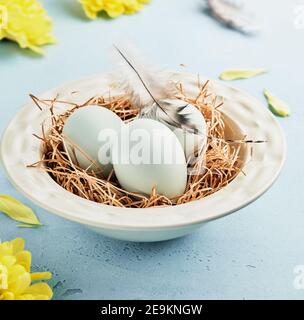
15, 277
113, 8
26, 22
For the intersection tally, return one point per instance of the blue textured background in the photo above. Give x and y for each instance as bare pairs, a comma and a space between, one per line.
250, 254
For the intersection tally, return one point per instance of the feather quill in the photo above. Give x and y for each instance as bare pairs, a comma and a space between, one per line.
233, 15
150, 90
142, 81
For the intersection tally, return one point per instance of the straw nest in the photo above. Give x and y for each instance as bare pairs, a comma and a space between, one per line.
218, 165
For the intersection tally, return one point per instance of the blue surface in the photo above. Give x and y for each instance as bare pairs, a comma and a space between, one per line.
250, 254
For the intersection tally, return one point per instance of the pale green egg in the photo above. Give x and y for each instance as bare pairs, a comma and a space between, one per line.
88, 136
148, 154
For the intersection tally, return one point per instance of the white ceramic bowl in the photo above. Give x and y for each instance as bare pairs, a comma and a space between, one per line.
19, 148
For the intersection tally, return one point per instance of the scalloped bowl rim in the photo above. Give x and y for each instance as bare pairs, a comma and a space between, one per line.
251, 115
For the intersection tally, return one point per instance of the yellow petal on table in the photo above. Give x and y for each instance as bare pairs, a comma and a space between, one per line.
29, 226
237, 74
35, 276
277, 106
17, 211
39, 290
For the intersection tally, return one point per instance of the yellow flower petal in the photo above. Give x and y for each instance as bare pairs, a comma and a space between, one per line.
92, 7
236, 74
7, 261
3, 17
27, 23
18, 279
25, 297
17, 211
132, 6
6, 249
7, 296
35, 276
33, 297
29, 226
24, 258
3, 277
40, 289
18, 245
15, 277
113, 8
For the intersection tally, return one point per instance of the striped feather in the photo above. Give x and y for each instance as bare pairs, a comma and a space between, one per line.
233, 15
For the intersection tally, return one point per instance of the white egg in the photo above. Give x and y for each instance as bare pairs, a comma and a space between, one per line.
88, 136
147, 155
190, 142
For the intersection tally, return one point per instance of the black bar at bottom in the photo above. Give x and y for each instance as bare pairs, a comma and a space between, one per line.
154, 309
